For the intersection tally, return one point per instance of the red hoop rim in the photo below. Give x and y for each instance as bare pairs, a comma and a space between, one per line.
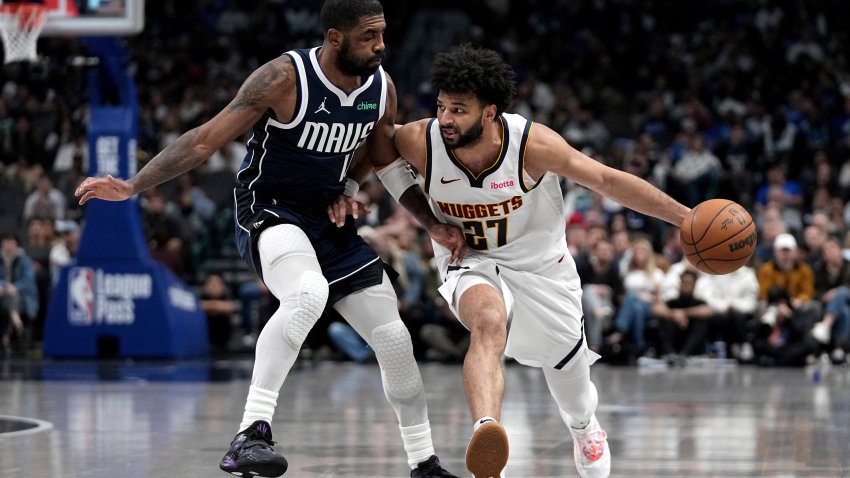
14, 7
19, 9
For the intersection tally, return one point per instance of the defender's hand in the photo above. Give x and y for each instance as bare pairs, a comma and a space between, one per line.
106, 188
343, 206
451, 238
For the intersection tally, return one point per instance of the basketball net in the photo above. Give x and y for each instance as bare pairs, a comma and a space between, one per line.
20, 25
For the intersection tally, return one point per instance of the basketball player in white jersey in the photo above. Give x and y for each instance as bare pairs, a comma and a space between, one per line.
495, 175
308, 111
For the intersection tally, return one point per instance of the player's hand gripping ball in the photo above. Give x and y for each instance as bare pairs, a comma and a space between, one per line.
718, 236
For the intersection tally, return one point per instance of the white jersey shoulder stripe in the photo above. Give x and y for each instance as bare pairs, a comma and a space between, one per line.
251, 161
384, 93
236, 212
304, 94
429, 155
523, 146
262, 156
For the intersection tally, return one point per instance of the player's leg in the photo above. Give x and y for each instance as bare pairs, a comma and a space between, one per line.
482, 310
373, 312
577, 400
292, 273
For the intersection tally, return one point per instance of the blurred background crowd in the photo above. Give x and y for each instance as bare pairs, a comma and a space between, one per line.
741, 99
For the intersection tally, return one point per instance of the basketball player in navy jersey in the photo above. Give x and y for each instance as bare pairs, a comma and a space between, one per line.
308, 112
495, 175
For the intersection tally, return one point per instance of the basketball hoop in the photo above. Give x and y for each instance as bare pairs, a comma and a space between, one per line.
20, 25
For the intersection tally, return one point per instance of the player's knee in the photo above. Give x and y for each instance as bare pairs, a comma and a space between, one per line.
394, 351
311, 296
488, 324
279, 242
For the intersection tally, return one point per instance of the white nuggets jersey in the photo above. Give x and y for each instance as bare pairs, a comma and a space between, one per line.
504, 214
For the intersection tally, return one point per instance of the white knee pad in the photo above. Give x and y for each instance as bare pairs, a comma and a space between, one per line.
279, 242
310, 300
394, 351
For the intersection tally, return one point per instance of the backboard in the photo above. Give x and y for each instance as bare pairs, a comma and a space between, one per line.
22, 22
94, 17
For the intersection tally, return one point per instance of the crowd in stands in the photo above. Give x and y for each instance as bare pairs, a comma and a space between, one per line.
741, 99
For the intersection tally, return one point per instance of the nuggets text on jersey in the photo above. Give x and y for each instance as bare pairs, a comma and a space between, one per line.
478, 211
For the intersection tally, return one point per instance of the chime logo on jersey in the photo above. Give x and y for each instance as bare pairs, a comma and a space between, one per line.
334, 137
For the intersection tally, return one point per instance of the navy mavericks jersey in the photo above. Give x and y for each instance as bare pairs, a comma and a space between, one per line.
304, 162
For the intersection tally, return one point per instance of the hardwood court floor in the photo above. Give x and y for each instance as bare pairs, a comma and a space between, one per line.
175, 419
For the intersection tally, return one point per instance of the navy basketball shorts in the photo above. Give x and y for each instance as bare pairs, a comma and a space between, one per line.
348, 263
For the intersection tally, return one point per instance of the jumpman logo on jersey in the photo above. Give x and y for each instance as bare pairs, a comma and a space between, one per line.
322, 106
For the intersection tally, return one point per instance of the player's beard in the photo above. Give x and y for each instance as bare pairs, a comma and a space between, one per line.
352, 66
465, 138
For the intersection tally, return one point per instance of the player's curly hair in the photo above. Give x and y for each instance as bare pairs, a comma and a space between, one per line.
342, 15
480, 71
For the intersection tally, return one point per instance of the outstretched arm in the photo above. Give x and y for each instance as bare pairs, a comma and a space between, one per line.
548, 151
263, 89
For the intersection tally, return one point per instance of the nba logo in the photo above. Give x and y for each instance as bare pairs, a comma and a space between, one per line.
81, 296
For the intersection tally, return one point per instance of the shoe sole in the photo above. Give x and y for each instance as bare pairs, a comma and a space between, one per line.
270, 470
487, 453
257, 473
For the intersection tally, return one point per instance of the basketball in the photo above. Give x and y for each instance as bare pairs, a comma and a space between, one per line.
718, 236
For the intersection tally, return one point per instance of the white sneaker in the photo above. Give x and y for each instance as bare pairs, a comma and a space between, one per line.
821, 332
487, 452
590, 448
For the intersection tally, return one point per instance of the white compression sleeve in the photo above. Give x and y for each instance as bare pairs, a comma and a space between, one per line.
292, 273
397, 177
572, 389
373, 312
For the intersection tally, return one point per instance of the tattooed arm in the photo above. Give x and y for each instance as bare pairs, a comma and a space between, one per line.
270, 86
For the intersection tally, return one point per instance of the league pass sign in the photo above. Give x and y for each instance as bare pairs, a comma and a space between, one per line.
97, 297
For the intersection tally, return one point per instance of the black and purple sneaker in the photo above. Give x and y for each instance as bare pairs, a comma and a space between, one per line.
251, 453
431, 468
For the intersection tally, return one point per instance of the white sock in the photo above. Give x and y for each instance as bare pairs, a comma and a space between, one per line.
417, 443
482, 421
260, 405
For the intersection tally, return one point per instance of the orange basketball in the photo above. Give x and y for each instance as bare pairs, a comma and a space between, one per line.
718, 236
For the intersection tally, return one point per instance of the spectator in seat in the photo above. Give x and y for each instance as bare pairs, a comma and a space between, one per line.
684, 321
18, 292
832, 289
782, 339
786, 270
734, 298
220, 309
602, 290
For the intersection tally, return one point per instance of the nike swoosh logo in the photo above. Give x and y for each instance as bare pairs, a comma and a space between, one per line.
443, 180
